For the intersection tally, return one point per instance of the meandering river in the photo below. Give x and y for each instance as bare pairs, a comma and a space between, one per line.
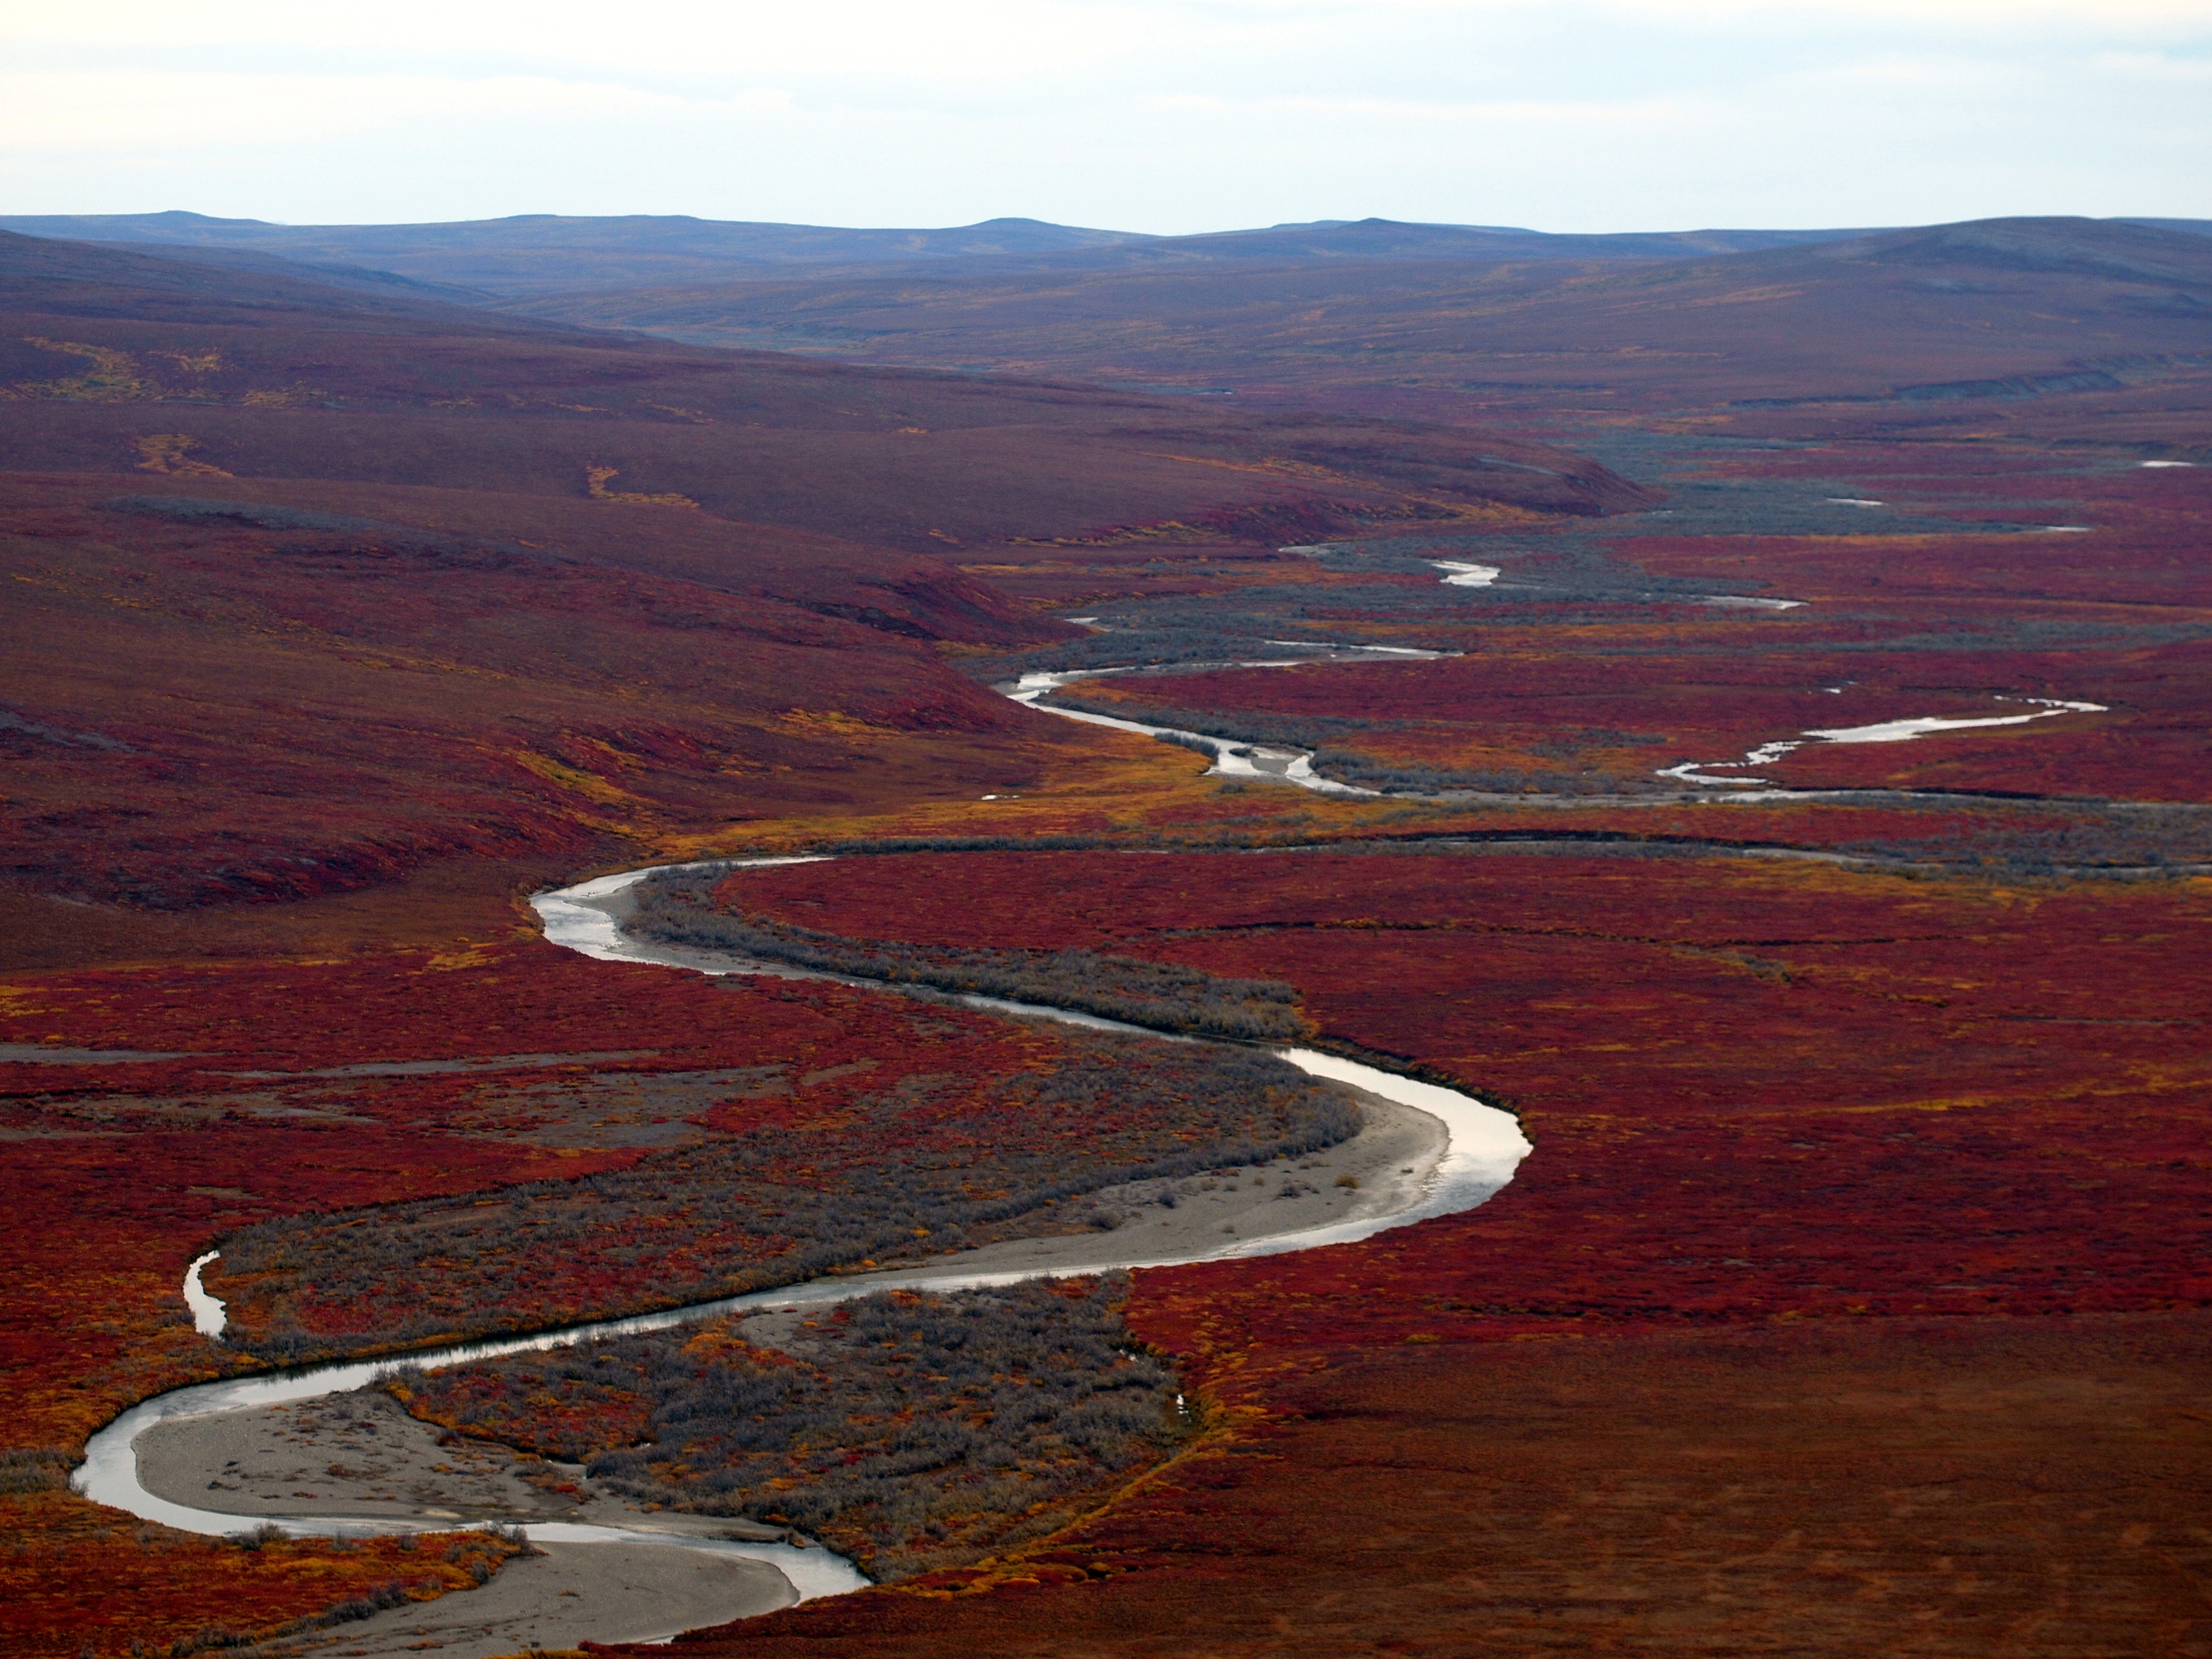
1482, 1147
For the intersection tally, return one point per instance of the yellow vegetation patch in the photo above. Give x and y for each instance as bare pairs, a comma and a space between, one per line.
1277, 465
568, 777
1749, 296
1479, 512
1423, 509
807, 722
18, 999
447, 962
596, 479
290, 397
1691, 424
164, 452
113, 377
1098, 781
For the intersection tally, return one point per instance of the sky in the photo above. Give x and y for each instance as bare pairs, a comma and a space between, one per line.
1166, 116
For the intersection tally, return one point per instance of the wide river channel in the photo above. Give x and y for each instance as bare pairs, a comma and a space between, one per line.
1482, 1146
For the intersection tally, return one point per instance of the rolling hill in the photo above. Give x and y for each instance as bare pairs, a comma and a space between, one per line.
2004, 308
539, 253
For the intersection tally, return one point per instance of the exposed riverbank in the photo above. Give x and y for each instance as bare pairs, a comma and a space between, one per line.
347, 1454
572, 1593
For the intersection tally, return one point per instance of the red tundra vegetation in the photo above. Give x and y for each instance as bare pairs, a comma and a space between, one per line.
1890, 1062
1841, 1488
82, 1579
1810, 1145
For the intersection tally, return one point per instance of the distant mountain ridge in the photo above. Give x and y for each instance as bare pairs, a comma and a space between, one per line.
534, 254
1390, 238
1371, 317
1993, 308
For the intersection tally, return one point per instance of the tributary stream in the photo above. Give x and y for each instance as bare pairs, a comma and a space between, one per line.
1233, 758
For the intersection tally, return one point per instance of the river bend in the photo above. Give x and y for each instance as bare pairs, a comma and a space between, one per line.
1481, 1146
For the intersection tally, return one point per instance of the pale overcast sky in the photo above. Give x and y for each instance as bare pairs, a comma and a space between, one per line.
1154, 115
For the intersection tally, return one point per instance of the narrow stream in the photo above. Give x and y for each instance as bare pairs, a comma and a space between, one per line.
1483, 1146
1231, 759
1287, 764
1897, 731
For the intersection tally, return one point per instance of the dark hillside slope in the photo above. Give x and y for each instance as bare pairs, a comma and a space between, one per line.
2083, 248
2002, 306
2190, 226
1905, 313
113, 360
279, 694
367, 281
91, 279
